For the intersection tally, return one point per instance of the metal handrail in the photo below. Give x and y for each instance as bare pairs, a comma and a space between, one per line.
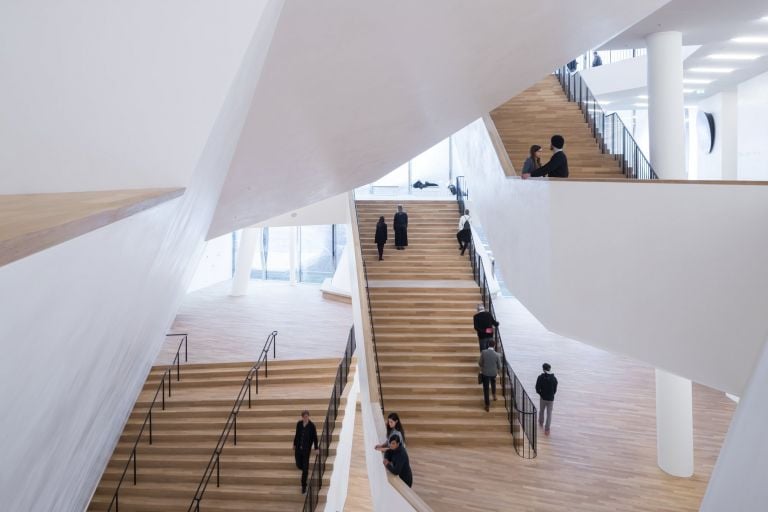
315, 483
609, 130
148, 418
370, 316
520, 408
231, 424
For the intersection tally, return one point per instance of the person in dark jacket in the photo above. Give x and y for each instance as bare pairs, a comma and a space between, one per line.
557, 167
464, 234
400, 225
396, 461
490, 365
381, 236
484, 324
596, 60
306, 436
546, 387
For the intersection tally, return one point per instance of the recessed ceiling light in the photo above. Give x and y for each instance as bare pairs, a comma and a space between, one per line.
688, 91
764, 18
734, 56
641, 104
697, 81
643, 97
712, 70
751, 40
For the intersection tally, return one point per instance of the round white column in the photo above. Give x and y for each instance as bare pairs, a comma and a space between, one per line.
249, 241
666, 122
674, 424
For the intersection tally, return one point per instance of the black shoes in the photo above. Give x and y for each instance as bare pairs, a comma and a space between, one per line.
303, 489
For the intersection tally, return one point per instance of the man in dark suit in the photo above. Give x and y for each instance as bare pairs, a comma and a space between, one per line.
557, 167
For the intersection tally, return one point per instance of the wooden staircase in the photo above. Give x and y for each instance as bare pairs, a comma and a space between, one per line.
423, 300
258, 473
543, 110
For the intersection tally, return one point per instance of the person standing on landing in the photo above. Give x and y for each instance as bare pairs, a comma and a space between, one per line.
484, 324
546, 387
381, 236
400, 225
490, 364
557, 167
306, 436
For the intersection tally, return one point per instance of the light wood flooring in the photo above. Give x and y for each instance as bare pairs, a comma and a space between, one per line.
359, 490
543, 110
601, 455
224, 329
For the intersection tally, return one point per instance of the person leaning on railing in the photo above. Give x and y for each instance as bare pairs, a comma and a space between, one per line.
394, 428
396, 461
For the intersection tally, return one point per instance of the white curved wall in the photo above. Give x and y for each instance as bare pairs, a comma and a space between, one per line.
670, 274
82, 322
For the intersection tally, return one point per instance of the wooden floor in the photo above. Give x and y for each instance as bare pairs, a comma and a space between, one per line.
601, 455
223, 328
543, 110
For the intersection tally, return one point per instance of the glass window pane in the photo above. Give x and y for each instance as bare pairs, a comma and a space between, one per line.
432, 166
341, 240
316, 256
277, 249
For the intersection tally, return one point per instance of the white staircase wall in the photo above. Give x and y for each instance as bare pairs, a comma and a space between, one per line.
106, 86
671, 274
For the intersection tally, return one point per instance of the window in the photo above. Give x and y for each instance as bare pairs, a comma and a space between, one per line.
316, 250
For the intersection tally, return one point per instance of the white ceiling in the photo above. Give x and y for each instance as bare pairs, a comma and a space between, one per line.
709, 24
351, 90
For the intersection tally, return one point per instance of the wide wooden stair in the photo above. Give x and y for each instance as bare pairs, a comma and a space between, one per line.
258, 473
543, 110
423, 300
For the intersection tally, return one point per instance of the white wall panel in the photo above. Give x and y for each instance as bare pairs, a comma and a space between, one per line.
670, 274
81, 322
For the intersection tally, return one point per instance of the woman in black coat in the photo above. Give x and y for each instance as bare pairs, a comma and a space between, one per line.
381, 236
400, 225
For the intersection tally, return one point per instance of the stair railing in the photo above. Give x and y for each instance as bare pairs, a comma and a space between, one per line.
167, 375
214, 464
370, 314
315, 483
609, 130
521, 412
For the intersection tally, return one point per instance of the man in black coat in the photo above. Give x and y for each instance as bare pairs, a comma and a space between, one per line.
306, 436
546, 387
484, 324
557, 167
396, 461
400, 225
381, 236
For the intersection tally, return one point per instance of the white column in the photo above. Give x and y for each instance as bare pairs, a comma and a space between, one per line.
249, 241
666, 124
292, 261
674, 424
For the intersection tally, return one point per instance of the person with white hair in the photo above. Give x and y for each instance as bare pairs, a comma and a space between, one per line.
484, 325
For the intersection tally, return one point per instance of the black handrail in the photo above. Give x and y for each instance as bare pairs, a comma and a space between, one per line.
609, 130
370, 312
521, 412
148, 418
315, 483
231, 424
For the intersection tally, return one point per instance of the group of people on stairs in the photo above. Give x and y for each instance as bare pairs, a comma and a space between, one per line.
395, 455
557, 167
490, 364
400, 225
